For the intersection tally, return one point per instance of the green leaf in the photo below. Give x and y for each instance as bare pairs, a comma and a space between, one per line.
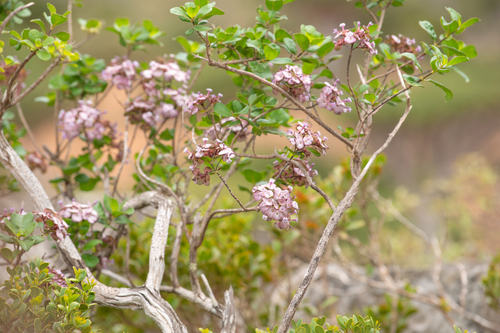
43, 54
274, 4
414, 81
462, 74
252, 176
448, 93
470, 51
457, 60
40, 23
90, 260
455, 16
290, 45
51, 8
308, 67
7, 254
282, 61
302, 40
325, 49
204, 10
63, 36
354, 225
467, 24
89, 186
222, 110
7, 239
123, 219
202, 28
179, 12
91, 244
189, 32
427, 26
413, 58
371, 97
57, 19
48, 41
270, 53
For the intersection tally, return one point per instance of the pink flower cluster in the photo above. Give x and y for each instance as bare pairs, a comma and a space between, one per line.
78, 212
122, 74
58, 229
361, 34
87, 119
292, 80
202, 102
149, 112
34, 160
330, 99
276, 203
241, 129
403, 44
302, 138
292, 174
58, 277
210, 150
165, 70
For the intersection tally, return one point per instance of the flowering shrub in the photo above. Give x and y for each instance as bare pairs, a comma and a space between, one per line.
279, 75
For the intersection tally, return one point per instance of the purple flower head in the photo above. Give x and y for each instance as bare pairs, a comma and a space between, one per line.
302, 138
201, 102
211, 150
78, 212
36, 161
292, 80
403, 44
276, 203
58, 229
122, 74
85, 119
166, 70
330, 99
361, 34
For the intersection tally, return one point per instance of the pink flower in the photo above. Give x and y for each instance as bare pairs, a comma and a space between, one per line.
403, 44
292, 80
360, 34
58, 229
58, 277
201, 102
276, 203
78, 212
302, 138
121, 74
330, 99
85, 119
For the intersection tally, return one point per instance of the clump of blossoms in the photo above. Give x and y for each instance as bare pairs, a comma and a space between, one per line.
276, 203
147, 111
122, 74
202, 102
292, 80
302, 138
403, 44
241, 129
330, 99
292, 174
36, 161
53, 223
166, 70
209, 150
361, 34
87, 119
78, 212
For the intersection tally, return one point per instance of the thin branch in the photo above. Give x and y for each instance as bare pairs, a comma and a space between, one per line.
28, 129
125, 155
12, 14
158, 245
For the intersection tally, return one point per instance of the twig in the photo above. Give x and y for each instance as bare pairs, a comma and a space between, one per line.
125, 155
28, 130
12, 14
210, 292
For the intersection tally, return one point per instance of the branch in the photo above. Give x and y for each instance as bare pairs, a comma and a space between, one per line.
14, 13
158, 245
